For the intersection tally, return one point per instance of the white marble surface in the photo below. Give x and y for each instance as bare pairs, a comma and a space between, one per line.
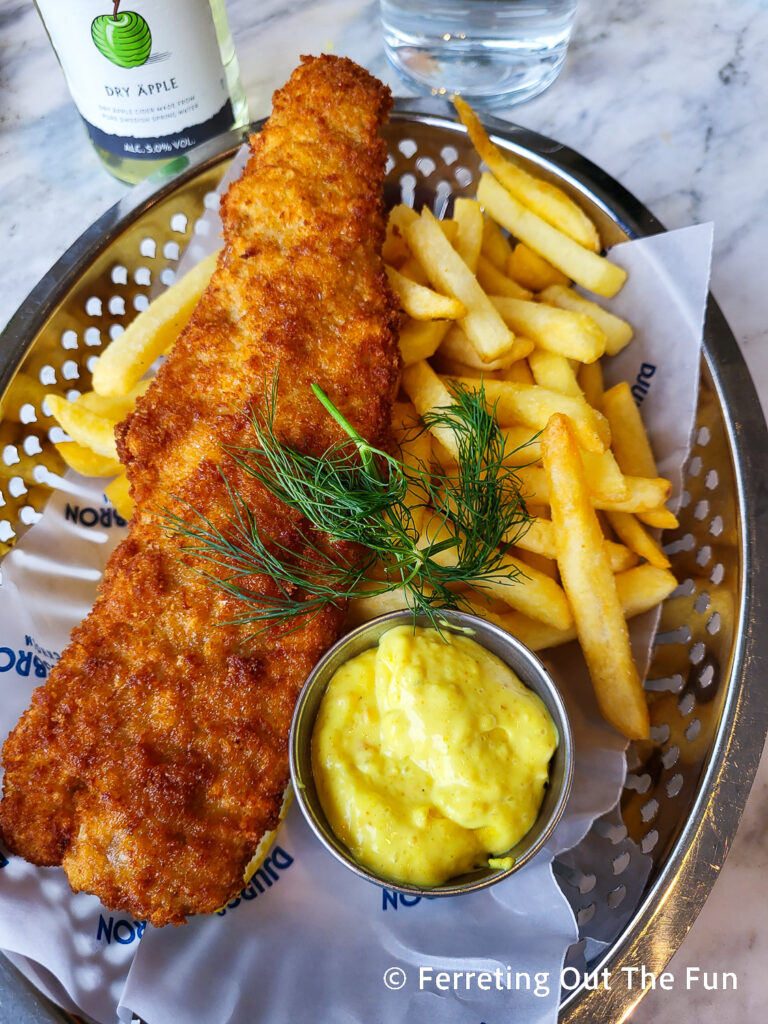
670, 99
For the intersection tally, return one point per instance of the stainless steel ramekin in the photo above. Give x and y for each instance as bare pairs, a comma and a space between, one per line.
520, 660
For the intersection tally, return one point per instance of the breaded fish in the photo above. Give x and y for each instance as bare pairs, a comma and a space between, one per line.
155, 757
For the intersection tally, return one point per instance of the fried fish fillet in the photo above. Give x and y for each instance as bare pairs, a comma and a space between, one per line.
155, 757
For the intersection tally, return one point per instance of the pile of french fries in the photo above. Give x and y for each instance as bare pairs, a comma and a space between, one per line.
487, 296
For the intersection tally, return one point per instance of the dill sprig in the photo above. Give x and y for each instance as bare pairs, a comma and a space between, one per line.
356, 494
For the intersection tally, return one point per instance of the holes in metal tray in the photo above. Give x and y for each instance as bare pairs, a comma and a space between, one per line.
171, 250
693, 729
717, 526
140, 303
660, 733
116, 305
616, 896
93, 306
674, 785
68, 340
119, 274
649, 841
70, 370
711, 480
670, 757
408, 188
638, 783
449, 154
425, 165
407, 147
610, 830
704, 555
697, 653
650, 809
168, 276
695, 466
706, 675
685, 543
148, 246
142, 276
585, 915
665, 684
92, 336
621, 862
714, 624
701, 510
10, 455
718, 574
463, 176
47, 375
686, 704
703, 437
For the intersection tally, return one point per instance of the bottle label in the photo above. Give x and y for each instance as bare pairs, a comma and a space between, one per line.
148, 81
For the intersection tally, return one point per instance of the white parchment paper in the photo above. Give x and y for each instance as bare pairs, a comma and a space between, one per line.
306, 941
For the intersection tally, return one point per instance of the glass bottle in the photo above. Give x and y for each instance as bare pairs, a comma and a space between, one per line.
150, 82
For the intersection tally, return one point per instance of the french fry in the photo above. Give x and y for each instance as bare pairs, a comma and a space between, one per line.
370, 605
590, 585
659, 518
119, 493
554, 371
533, 405
454, 368
420, 339
535, 593
593, 272
590, 380
427, 391
618, 332
413, 270
548, 201
640, 589
518, 373
572, 335
605, 479
85, 461
415, 453
447, 271
495, 282
85, 427
532, 271
456, 345
633, 449
644, 493
423, 303
628, 529
114, 409
629, 439
495, 247
469, 235
540, 539
125, 360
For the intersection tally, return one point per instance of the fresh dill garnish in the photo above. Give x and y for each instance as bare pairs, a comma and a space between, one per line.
363, 496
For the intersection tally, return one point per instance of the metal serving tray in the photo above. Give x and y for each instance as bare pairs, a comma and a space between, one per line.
687, 787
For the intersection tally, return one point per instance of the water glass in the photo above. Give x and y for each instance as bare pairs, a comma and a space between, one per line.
489, 51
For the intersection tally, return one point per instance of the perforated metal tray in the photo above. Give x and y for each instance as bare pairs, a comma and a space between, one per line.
686, 788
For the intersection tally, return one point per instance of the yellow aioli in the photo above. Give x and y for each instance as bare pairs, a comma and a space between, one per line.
429, 755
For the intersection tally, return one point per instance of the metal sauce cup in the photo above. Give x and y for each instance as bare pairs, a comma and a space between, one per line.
531, 672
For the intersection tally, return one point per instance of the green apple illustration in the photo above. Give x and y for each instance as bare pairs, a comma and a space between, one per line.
123, 38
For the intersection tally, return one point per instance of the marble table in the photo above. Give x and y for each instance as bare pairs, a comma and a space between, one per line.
670, 99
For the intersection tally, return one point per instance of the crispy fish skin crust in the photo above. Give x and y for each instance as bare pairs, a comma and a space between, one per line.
155, 757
